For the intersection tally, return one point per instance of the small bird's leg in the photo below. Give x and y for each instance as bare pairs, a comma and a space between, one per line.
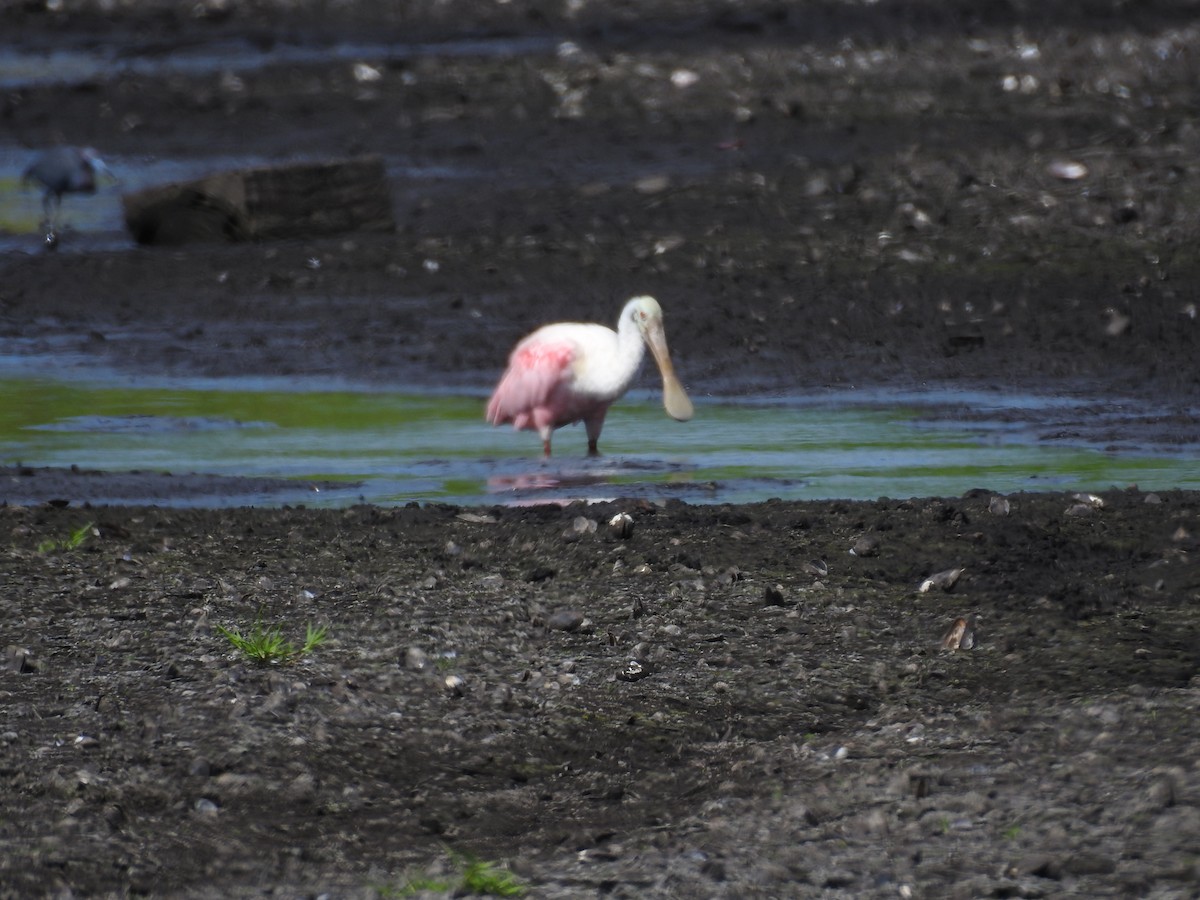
51, 204
47, 223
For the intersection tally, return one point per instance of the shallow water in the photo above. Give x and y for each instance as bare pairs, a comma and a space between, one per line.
394, 447
20, 68
96, 222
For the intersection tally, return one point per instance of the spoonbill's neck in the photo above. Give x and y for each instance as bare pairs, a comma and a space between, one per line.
631, 347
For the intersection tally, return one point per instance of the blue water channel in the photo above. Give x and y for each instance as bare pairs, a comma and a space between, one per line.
343, 444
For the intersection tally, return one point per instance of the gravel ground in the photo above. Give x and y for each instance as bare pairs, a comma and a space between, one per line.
727, 703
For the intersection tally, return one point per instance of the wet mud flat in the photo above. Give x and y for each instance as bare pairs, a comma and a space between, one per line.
724, 701
817, 194
727, 702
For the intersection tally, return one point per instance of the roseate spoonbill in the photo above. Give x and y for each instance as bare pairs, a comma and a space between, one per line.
572, 371
64, 170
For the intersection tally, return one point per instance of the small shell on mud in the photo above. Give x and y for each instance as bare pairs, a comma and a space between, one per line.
652, 184
416, 659
476, 518
944, 580
1090, 499
635, 670
961, 635
867, 545
565, 620
684, 78
20, 661
999, 506
1067, 170
816, 567
581, 526
455, 685
1118, 322
621, 526
364, 74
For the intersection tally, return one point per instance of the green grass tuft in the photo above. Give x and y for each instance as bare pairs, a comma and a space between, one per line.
76, 538
479, 878
268, 646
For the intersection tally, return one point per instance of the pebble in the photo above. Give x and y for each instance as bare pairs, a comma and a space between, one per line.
652, 184
416, 659
621, 526
565, 620
961, 635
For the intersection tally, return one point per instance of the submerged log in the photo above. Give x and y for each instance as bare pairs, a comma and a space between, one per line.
293, 200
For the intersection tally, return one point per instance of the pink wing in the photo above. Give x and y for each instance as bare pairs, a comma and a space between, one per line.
536, 370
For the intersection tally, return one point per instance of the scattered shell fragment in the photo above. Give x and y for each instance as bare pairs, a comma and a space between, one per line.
1118, 322
565, 620
583, 525
365, 74
999, 506
867, 545
635, 670
477, 518
684, 78
621, 525
455, 685
1067, 170
817, 567
1090, 499
652, 184
961, 635
943, 581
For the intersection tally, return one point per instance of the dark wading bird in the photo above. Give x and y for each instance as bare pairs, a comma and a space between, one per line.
573, 371
64, 170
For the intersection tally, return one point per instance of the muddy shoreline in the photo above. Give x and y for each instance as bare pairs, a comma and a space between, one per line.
725, 702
